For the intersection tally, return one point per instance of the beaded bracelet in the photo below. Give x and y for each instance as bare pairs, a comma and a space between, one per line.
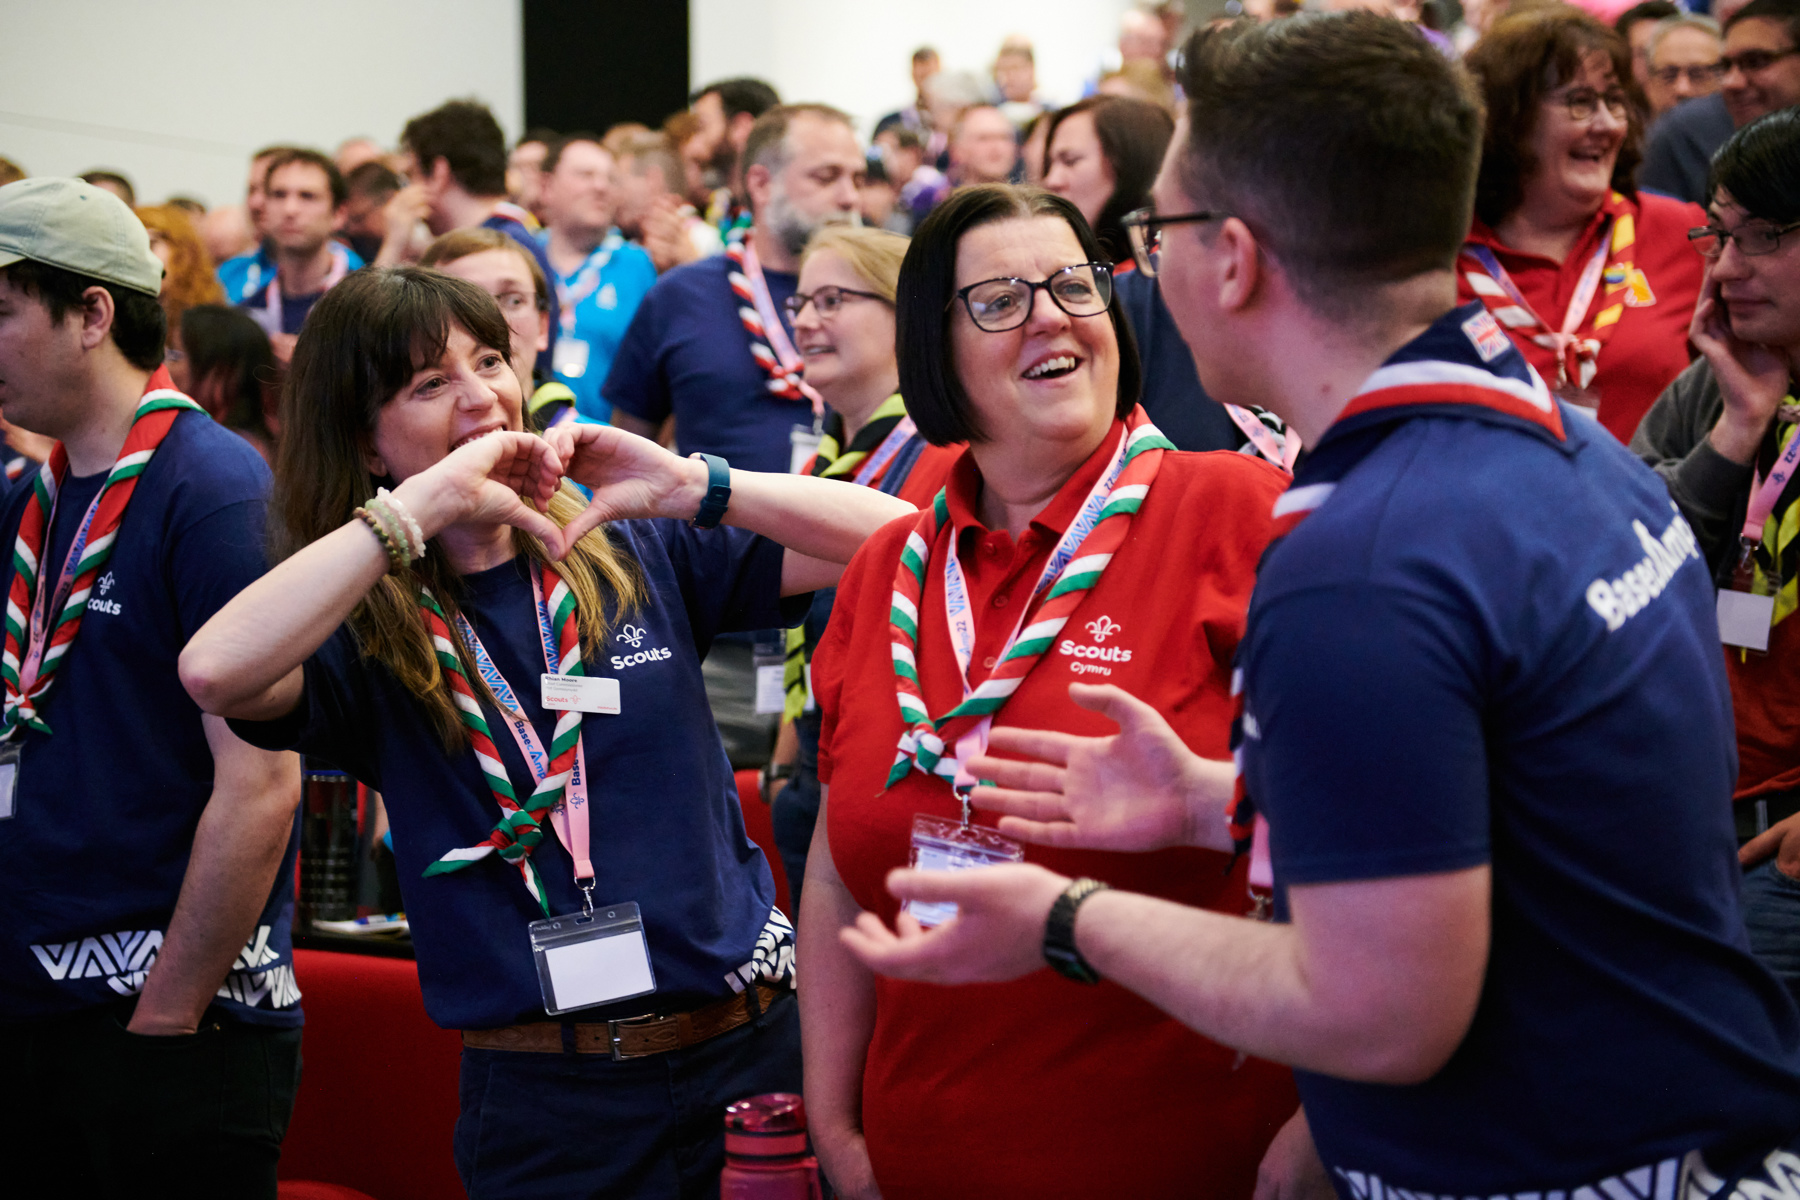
396, 560
415, 535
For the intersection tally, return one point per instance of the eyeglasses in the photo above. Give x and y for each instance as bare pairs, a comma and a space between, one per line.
996, 305
512, 302
1752, 61
1704, 75
1583, 103
1144, 228
825, 301
1752, 241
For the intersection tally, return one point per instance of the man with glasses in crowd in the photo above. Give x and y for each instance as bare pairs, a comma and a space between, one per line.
1760, 73
1683, 62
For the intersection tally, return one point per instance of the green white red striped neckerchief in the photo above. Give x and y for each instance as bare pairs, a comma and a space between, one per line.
1075, 566
520, 827
41, 623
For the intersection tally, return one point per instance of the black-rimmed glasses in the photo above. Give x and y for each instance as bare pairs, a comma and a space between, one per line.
1751, 61
825, 301
996, 305
1144, 228
1752, 242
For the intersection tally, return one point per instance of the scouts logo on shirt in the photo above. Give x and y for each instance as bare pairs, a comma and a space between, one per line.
95, 604
632, 635
1100, 628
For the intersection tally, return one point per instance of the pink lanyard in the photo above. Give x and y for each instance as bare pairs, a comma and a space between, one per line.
340, 267
779, 342
1558, 340
1765, 492
897, 437
570, 816
1283, 454
51, 600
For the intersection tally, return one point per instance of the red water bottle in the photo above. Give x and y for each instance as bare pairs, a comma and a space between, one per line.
766, 1156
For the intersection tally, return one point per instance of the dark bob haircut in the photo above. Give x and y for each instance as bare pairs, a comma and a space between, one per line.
928, 377
1760, 167
1133, 135
140, 327
1517, 63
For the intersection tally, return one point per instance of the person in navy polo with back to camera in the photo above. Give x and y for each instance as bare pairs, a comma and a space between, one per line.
525, 691
148, 1005
1485, 736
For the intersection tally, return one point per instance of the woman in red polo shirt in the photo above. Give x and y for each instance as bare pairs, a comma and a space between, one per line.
1070, 544
1594, 281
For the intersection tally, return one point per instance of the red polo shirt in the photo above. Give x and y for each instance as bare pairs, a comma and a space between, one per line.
1648, 346
1042, 1087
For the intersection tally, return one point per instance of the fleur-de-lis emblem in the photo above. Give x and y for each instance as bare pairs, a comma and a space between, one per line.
631, 634
106, 582
1102, 628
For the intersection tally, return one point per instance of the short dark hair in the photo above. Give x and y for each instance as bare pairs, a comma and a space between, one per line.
10, 171
334, 178
1517, 63
1648, 10
1347, 142
375, 180
554, 148
117, 180
768, 137
139, 328
1134, 135
743, 95
1760, 166
464, 134
922, 311
537, 133
226, 341
1773, 10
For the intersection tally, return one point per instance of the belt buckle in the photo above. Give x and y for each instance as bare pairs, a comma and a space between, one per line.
613, 1040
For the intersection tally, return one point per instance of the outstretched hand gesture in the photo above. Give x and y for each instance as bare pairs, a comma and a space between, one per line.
1139, 789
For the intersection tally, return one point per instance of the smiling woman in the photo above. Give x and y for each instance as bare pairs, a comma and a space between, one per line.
399, 638
1041, 563
1593, 281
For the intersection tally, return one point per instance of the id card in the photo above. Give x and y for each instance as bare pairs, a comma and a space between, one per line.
1744, 619
585, 960
940, 844
570, 358
803, 443
9, 779
771, 677
580, 693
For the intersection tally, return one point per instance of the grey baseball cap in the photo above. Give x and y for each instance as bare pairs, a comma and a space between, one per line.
81, 228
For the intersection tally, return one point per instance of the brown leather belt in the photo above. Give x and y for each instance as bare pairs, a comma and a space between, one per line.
633, 1037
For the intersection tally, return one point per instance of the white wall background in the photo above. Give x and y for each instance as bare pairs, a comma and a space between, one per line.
178, 93
856, 54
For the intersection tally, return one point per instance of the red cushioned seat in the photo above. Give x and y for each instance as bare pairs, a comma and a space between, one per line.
760, 825
378, 1103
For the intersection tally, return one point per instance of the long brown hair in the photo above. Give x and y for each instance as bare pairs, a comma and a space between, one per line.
362, 342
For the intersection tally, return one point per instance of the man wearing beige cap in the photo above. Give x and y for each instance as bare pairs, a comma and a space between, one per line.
149, 1016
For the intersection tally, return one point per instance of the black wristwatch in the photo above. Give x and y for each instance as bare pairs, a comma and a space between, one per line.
718, 491
1059, 932
772, 772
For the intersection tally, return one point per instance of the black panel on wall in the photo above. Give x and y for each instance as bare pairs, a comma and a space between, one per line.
590, 64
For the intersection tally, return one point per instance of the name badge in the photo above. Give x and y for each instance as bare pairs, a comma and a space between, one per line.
585, 959
570, 357
944, 845
579, 693
1744, 619
803, 443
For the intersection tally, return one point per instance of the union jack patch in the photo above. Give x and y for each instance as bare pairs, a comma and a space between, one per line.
1485, 332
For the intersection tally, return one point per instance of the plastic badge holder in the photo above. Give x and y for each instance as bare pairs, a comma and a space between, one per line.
585, 959
939, 844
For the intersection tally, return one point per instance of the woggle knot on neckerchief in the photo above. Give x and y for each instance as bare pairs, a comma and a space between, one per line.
36, 644
519, 830
1075, 567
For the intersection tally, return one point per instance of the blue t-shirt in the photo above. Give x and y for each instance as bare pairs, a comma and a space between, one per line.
94, 857
666, 831
517, 231
607, 290
1490, 645
259, 292
246, 273
687, 353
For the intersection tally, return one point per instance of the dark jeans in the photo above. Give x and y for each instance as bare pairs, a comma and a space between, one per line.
574, 1126
89, 1110
795, 812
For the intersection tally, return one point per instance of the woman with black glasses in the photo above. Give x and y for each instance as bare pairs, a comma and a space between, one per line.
1592, 279
1071, 545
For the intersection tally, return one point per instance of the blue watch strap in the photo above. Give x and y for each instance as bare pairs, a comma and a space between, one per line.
718, 491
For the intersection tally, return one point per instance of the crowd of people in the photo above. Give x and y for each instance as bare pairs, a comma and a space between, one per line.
1280, 569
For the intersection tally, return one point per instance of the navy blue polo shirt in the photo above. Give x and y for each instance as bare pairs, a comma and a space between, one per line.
94, 857
687, 353
666, 830
1490, 645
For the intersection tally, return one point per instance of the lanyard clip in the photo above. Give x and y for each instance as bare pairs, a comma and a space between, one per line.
587, 896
